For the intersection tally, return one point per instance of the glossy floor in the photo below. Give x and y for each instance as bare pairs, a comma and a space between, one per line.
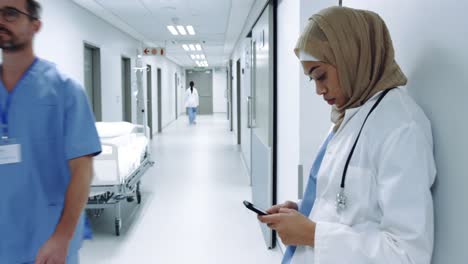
192, 209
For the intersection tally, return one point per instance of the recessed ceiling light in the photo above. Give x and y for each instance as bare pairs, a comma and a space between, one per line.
190, 30
173, 30
198, 47
192, 47
192, 56
203, 56
186, 47
197, 56
182, 30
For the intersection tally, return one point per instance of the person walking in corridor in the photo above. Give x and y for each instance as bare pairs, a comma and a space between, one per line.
191, 102
47, 142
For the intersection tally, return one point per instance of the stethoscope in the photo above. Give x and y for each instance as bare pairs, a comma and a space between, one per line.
341, 199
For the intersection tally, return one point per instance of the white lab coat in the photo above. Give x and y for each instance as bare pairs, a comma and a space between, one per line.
191, 99
389, 215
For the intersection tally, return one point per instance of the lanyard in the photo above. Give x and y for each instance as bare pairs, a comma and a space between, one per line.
4, 111
4, 116
341, 199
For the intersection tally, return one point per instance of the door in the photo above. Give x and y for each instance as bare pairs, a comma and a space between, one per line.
204, 84
92, 79
176, 85
263, 182
159, 100
230, 96
149, 98
126, 90
238, 82
246, 87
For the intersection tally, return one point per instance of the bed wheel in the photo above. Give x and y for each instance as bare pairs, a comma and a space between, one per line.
138, 194
139, 198
118, 226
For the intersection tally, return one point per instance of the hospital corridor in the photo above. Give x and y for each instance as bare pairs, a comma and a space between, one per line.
233, 131
190, 201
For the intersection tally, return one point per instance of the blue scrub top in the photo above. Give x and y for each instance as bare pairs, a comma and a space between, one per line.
51, 118
310, 193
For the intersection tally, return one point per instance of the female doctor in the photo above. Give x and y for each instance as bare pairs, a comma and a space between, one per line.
368, 198
191, 102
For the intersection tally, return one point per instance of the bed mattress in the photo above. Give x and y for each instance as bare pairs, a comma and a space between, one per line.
122, 153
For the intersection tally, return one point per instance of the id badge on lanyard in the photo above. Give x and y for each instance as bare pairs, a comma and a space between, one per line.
10, 149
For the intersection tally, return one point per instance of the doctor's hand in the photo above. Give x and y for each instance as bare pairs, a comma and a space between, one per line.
288, 204
293, 228
54, 251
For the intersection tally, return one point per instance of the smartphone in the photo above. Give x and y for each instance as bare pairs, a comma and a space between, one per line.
252, 207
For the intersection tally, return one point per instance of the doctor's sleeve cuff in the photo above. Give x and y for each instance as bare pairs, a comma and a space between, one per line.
299, 202
320, 241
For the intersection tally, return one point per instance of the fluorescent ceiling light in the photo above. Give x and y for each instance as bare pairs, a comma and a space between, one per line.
192, 47
192, 56
186, 48
198, 47
182, 30
190, 30
203, 56
173, 30
197, 56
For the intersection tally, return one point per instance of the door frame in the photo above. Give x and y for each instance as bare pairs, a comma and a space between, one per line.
149, 98
273, 4
159, 87
126, 89
239, 121
231, 111
96, 103
176, 82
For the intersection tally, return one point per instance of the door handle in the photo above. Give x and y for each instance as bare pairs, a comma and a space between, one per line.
250, 122
249, 112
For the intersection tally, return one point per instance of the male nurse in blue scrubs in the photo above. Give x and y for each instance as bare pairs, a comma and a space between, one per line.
48, 139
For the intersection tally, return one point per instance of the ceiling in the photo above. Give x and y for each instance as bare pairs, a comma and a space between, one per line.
217, 23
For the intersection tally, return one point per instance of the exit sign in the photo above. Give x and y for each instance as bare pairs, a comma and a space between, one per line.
154, 51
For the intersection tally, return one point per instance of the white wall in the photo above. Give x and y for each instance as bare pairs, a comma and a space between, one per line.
255, 12
168, 71
314, 112
246, 87
67, 26
181, 93
430, 39
234, 96
288, 82
288, 99
219, 90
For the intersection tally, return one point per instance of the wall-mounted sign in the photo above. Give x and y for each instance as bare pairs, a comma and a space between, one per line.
154, 51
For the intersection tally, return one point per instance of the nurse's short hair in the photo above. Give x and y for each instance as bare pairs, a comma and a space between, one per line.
34, 8
192, 83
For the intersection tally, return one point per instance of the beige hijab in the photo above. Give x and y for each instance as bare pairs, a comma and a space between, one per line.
358, 44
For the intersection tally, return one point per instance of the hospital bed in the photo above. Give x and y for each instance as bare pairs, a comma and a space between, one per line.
119, 168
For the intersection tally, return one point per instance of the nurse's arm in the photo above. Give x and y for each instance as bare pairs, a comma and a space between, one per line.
76, 197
